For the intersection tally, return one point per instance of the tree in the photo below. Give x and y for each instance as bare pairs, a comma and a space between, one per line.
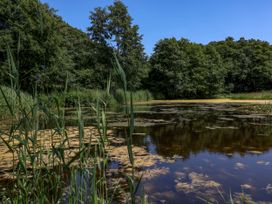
169, 64
247, 64
33, 33
184, 69
112, 27
98, 31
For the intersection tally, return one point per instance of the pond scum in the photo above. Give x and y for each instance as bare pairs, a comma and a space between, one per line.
63, 164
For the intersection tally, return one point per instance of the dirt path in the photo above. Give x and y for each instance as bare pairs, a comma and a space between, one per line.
204, 101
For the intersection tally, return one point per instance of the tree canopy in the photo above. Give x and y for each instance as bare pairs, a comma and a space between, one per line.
112, 28
46, 48
184, 69
181, 68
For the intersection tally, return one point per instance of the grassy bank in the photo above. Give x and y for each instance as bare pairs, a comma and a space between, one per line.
70, 99
90, 96
262, 95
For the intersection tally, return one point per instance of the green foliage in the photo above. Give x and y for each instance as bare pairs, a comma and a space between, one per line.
181, 69
112, 28
32, 31
46, 48
184, 69
138, 96
88, 97
248, 64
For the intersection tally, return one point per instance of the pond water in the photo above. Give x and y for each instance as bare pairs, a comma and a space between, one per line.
213, 151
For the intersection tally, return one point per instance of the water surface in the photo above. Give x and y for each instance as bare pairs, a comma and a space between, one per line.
214, 151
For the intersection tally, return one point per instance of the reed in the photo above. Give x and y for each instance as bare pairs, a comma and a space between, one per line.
50, 170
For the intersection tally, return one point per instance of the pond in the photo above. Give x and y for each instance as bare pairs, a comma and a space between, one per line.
212, 152
190, 153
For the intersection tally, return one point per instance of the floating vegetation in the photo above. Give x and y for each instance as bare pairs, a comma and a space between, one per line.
152, 173
262, 162
141, 157
226, 119
141, 123
255, 152
251, 116
247, 186
198, 183
241, 198
239, 166
268, 188
218, 127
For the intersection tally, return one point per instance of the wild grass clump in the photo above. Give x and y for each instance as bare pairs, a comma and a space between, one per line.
86, 96
90, 96
138, 96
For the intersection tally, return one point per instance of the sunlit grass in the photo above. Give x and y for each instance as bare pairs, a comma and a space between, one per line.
262, 95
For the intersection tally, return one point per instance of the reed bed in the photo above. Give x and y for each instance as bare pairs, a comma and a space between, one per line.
62, 164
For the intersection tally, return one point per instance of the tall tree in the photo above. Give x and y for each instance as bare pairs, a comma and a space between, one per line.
99, 31
127, 43
33, 33
112, 27
103, 53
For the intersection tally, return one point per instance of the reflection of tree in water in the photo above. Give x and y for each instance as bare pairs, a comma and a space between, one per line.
192, 137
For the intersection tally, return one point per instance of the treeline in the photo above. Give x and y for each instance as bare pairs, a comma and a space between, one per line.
181, 68
47, 51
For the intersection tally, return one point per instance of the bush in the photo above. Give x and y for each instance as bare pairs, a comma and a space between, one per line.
142, 95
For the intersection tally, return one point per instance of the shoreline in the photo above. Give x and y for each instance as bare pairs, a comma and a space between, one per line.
218, 101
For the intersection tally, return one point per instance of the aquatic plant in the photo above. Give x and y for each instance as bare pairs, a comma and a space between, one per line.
59, 165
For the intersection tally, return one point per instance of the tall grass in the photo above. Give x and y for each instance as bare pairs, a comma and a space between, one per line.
10, 94
138, 96
56, 172
87, 97
90, 96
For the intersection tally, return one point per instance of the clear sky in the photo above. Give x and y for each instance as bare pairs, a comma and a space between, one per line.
200, 21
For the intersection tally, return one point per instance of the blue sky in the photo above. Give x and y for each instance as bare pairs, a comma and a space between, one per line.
200, 21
